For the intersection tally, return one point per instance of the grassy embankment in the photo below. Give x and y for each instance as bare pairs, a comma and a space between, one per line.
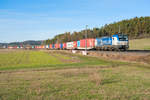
140, 44
84, 78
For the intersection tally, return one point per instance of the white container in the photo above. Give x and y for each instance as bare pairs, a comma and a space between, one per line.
47, 46
69, 45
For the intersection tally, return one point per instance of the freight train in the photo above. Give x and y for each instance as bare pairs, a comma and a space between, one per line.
114, 42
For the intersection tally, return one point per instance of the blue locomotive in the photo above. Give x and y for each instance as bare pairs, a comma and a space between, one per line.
114, 42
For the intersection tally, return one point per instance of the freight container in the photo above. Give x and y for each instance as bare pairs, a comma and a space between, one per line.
57, 46
33, 47
98, 42
69, 45
53, 46
50, 46
78, 44
38, 47
42, 46
10, 47
61, 46
15, 47
64, 45
87, 43
47, 46
74, 44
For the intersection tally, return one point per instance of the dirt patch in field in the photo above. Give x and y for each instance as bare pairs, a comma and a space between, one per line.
145, 59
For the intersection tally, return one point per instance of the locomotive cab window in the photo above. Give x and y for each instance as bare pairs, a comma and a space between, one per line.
123, 37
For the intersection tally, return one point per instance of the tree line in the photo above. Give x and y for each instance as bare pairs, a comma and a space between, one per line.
138, 27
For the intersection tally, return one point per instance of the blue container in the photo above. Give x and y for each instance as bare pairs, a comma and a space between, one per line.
61, 46
78, 43
53, 46
98, 42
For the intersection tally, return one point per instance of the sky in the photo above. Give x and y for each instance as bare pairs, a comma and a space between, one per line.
22, 20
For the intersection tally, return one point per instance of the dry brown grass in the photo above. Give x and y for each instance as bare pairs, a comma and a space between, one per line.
140, 44
123, 56
76, 84
96, 78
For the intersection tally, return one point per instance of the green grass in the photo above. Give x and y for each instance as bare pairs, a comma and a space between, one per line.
39, 59
140, 44
89, 83
40, 75
17, 59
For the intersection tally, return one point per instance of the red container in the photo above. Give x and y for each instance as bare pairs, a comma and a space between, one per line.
74, 44
64, 45
57, 46
15, 47
10, 47
42, 46
90, 43
50, 46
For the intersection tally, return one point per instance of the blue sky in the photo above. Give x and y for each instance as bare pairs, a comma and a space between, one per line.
42, 19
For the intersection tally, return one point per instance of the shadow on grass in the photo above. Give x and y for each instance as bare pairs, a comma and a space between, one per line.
139, 51
109, 81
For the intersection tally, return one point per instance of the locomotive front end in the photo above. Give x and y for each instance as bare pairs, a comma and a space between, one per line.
120, 41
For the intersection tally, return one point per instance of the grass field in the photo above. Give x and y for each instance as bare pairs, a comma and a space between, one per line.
140, 44
39, 59
43, 75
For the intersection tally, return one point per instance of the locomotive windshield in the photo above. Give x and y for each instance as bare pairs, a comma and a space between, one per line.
123, 37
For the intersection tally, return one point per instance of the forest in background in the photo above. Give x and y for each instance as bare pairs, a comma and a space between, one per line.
138, 27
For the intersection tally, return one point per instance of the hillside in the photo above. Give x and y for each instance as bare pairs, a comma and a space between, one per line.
140, 44
134, 28
29, 42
